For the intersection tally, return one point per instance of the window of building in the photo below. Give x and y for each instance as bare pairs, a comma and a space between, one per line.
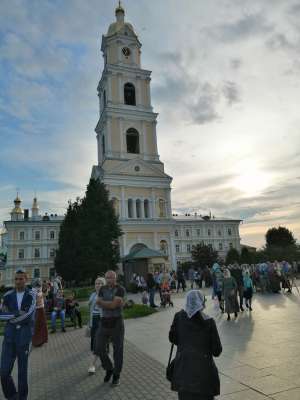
138, 208
208, 232
52, 253
52, 273
176, 233
37, 253
130, 208
219, 232
22, 235
177, 248
146, 208
52, 235
132, 141
187, 233
21, 253
188, 248
230, 245
36, 273
229, 231
37, 235
210, 245
220, 246
198, 232
129, 94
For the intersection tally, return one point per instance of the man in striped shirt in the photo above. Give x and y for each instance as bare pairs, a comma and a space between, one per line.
18, 312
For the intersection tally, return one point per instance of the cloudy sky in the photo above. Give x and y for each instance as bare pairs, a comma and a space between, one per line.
225, 82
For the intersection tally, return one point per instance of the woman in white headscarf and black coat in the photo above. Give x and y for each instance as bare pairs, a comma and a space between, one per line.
195, 375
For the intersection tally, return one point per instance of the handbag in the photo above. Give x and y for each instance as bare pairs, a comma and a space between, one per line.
170, 366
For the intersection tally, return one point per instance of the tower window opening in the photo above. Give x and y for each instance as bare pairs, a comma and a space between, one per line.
129, 94
138, 209
130, 208
132, 141
146, 208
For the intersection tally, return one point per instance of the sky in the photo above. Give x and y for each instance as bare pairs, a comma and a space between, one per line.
225, 82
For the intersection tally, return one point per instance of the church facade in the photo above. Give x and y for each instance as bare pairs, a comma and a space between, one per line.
130, 166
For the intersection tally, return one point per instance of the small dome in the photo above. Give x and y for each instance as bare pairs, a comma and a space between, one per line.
116, 27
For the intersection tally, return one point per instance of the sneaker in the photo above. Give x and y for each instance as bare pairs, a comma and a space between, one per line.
92, 370
108, 375
116, 380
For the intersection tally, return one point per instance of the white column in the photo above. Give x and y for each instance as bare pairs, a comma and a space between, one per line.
109, 88
144, 148
169, 207
153, 205
138, 91
121, 127
155, 137
123, 245
148, 94
134, 208
120, 89
108, 137
142, 209
123, 203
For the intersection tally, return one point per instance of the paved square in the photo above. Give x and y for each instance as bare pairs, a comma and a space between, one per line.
260, 359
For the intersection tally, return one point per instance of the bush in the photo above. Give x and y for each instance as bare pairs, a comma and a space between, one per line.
138, 311
132, 287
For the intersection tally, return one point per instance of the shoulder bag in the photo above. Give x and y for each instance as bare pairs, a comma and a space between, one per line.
171, 364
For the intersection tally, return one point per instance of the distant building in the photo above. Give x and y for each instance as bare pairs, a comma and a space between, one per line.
251, 249
31, 242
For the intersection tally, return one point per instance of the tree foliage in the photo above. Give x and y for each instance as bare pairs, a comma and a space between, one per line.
88, 238
280, 237
246, 256
203, 255
233, 256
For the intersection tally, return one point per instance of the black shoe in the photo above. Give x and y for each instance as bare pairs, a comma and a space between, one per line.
242, 308
250, 308
247, 305
108, 375
63, 330
235, 315
228, 318
116, 380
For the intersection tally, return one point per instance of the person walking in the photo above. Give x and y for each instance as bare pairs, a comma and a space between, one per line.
180, 280
111, 300
94, 321
248, 290
40, 335
237, 274
217, 277
18, 310
195, 375
230, 295
151, 286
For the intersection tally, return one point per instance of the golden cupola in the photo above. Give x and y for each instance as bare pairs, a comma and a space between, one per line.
17, 214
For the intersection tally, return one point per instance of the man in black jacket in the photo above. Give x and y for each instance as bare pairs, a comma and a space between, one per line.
237, 273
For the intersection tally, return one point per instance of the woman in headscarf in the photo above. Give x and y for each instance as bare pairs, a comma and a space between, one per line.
195, 375
40, 335
230, 295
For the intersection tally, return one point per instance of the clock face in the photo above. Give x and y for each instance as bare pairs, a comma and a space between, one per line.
126, 51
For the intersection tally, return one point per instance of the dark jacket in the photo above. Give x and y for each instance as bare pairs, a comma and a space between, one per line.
237, 274
197, 342
19, 326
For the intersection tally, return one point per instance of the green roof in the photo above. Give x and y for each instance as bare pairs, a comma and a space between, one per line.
143, 253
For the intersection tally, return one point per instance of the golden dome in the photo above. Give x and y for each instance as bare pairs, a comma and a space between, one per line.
120, 8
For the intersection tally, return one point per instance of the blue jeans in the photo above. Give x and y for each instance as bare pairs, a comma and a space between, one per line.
56, 314
151, 296
11, 351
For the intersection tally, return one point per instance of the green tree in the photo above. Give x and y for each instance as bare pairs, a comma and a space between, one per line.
203, 255
246, 257
233, 256
280, 237
88, 239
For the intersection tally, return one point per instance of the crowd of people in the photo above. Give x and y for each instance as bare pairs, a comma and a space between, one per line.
26, 308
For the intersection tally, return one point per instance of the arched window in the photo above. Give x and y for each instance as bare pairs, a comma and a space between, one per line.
176, 233
132, 141
52, 235
162, 208
130, 208
129, 94
138, 208
146, 208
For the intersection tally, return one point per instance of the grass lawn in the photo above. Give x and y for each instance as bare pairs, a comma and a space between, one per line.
136, 311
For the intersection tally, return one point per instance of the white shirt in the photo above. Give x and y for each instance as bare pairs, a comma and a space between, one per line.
20, 296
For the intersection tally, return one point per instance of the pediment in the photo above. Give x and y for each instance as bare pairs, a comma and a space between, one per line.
137, 167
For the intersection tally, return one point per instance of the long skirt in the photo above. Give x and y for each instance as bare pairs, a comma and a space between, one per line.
193, 396
231, 302
40, 328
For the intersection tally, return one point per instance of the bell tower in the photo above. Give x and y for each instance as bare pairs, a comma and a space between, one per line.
128, 159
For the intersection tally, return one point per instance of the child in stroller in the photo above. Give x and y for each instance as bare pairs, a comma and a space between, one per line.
166, 294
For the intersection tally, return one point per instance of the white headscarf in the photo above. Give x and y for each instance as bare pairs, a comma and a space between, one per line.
195, 301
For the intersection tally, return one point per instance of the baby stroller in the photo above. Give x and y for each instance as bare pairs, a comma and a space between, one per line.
166, 295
